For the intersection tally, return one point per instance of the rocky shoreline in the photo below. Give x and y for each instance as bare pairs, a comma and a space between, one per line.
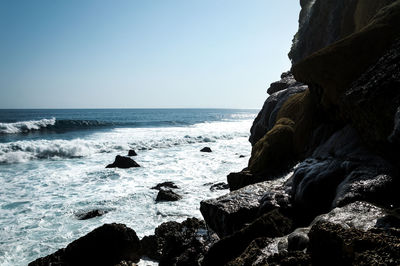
321, 184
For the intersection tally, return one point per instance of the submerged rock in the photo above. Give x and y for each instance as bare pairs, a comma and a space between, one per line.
106, 245
219, 186
123, 162
206, 149
167, 195
90, 214
132, 153
163, 185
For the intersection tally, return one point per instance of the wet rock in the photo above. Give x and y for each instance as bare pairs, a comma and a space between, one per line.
106, 245
240, 179
294, 258
90, 214
132, 153
230, 212
266, 118
167, 195
177, 243
298, 240
219, 186
163, 185
348, 246
123, 162
272, 224
242, 156
206, 149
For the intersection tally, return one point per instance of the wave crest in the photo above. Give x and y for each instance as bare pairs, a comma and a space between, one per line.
26, 126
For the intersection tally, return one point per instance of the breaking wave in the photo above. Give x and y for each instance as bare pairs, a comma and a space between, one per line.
26, 126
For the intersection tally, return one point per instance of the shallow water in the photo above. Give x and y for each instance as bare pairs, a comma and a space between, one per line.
48, 176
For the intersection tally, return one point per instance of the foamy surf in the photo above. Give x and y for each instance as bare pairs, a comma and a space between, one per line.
25, 126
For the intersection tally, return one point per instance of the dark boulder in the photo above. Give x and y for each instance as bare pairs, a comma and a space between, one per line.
219, 186
206, 149
167, 195
123, 162
163, 185
272, 224
132, 153
177, 243
90, 214
287, 80
106, 245
339, 245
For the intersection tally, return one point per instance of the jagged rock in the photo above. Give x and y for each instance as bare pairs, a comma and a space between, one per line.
106, 245
241, 179
266, 118
332, 69
123, 162
337, 245
341, 171
132, 153
322, 22
372, 102
219, 186
163, 185
167, 195
206, 149
272, 224
177, 243
230, 212
90, 214
287, 80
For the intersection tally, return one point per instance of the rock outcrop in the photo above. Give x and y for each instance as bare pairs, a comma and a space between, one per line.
123, 162
106, 245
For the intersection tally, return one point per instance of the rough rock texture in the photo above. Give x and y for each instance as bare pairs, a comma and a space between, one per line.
340, 171
229, 213
106, 245
287, 81
340, 246
319, 28
167, 195
123, 162
266, 118
373, 99
219, 186
177, 243
272, 224
354, 54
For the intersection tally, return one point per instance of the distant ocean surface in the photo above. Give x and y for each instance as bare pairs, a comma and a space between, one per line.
52, 166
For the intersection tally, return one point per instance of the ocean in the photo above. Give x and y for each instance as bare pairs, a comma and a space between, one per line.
52, 167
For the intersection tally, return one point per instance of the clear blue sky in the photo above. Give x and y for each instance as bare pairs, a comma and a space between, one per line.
142, 54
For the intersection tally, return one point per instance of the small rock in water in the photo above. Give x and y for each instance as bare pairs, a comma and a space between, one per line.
206, 149
132, 153
90, 214
219, 186
123, 162
242, 156
167, 195
167, 184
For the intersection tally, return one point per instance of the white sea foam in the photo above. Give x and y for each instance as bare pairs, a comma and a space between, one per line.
38, 198
25, 126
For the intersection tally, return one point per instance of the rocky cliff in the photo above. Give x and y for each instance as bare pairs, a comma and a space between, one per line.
321, 184
325, 141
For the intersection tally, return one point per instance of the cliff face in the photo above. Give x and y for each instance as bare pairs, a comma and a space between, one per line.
327, 137
322, 22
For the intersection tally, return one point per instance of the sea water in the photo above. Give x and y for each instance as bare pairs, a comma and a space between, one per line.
52, 167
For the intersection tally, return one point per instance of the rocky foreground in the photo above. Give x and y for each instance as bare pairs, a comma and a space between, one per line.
322, 182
